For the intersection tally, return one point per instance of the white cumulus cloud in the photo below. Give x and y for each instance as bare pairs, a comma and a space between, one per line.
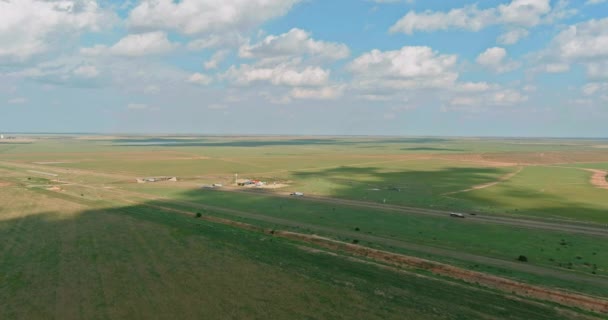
495, 59
215, 59
323, 93
86, 71
524, 13
27, 27
199, 78
408, 67
584, 43
294, 43
282, 74
135, 45
203, 16
512, 36
18, 100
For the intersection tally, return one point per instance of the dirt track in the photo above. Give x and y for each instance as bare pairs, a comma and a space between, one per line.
598, 179
490, 184
506, 285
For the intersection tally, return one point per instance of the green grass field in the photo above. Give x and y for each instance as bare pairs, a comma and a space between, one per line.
422, 169
61, 260
572, 254
98, 246
546, 192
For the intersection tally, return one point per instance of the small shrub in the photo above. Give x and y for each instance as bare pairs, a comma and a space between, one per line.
357, 229
198, 214
355, 241
522, 258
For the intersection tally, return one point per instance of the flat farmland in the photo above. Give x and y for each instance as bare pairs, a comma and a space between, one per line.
63, 259
70, 205
514, 177
553, 192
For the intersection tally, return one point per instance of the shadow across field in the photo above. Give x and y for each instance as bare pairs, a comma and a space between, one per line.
139, 262
426, 188
405, 185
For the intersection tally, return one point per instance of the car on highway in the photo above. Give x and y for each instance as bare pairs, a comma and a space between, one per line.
456, 215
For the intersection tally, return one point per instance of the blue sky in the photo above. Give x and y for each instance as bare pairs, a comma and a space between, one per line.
381, 67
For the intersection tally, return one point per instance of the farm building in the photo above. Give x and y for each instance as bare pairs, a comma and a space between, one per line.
249, 183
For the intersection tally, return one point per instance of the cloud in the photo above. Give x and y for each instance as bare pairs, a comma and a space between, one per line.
518, 15
151, 89
282, 75
585, 43
592, 88
67, 70
228, 40
19, 100
394, 1
205, 16
215, 60
525, 13
593, 2
323, 93
135, 45
478, 102
137, 106
586, 40
86, 71
406, 68
556, 67
472, 87
507, 97
199, 78
29, 26
216, 106
294, 43
496, 60
597, 70
512, 36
